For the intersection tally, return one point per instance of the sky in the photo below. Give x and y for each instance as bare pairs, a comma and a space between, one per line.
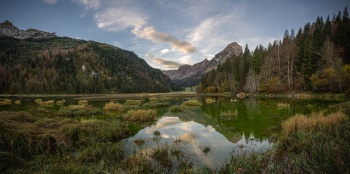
169, 33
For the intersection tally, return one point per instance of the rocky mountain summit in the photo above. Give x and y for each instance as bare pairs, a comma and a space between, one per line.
190, 75
9, 30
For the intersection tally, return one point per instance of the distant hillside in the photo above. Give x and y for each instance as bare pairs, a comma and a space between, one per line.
66, 65
187, 75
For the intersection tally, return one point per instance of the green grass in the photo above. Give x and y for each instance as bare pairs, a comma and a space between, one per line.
78, 110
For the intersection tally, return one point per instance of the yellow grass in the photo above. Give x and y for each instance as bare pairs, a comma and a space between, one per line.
111, 106
60, 102
5, 102
38, 101
313, 122
77, 106
47, 103
82, 102
209, 100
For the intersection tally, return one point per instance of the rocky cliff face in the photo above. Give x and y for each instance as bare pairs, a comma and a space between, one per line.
187, 75
7, 29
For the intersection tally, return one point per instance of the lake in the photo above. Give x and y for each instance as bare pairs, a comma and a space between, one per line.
205, 136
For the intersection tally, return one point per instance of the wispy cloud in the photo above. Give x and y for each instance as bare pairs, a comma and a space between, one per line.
117, 19
168, 64
89, 4
155, 36
121, 18
50, 2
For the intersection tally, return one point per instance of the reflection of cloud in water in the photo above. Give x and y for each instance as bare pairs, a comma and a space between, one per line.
194, 135
167, 121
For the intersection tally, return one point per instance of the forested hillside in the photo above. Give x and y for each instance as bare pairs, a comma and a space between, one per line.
66, 65
317, 57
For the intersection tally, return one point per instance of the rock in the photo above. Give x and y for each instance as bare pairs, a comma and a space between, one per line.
7, 29
190, 75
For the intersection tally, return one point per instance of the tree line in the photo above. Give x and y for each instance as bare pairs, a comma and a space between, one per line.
316, 58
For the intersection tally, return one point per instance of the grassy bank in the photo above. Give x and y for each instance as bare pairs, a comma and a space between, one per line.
317, 143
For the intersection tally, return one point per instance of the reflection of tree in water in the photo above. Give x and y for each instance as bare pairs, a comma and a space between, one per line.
252, 107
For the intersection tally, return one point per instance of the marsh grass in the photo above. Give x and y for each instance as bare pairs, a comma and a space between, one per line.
133, 102
38, 101
112, 106
83, 102
177, 109
313, 122
209, 100
205, 149
78, 110
18, 102
60, 102
162, 155
47, 103
191, 103
6, 102
246, 163
139, 164
141, 115
155, 105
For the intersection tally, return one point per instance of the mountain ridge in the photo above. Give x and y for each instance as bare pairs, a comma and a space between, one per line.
8, 29
46, 64
190, 75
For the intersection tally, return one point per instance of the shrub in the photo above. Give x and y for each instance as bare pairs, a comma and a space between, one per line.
141, 115
111, 106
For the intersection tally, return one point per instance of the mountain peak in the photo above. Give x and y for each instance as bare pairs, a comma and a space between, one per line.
190, 75
9, 30
234, 46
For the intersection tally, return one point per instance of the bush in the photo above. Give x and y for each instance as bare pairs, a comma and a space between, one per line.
111, 106
141, 115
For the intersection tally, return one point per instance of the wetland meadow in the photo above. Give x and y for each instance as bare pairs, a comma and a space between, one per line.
173, 134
